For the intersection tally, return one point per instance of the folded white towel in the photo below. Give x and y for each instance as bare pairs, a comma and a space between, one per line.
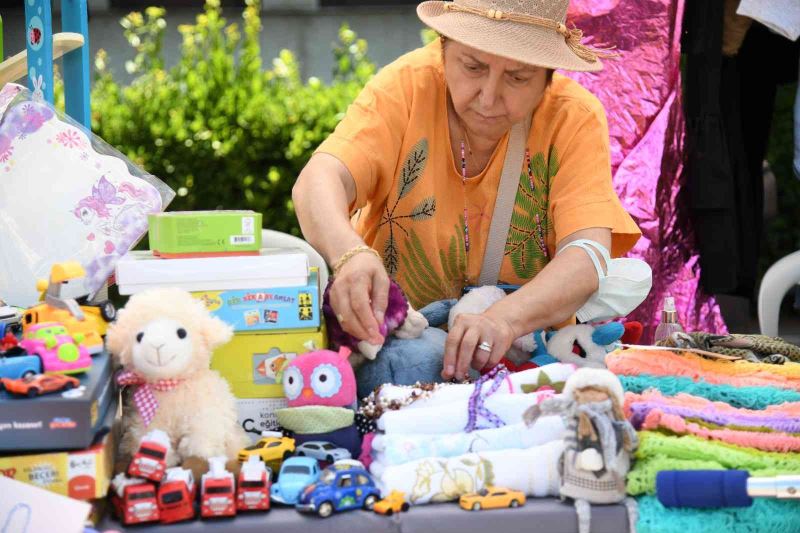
554, 373
397, 448
533, 471
453, 416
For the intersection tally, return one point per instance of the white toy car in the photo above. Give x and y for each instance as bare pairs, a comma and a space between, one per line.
322, 451
10, 316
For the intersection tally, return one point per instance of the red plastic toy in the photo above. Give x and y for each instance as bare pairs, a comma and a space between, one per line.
149, 462
8, 342
176, 496
134, 500
252, 493
217, 490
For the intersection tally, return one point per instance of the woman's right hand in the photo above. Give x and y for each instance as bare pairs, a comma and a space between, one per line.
359, 296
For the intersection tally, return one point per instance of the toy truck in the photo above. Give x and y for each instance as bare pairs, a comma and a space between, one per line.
217, 490
149, 461
176, 496
252, 493
134, 500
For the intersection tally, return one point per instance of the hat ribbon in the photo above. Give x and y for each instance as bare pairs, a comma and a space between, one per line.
572, 35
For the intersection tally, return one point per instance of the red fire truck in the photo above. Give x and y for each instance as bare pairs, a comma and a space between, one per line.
252, 493
134, 500
149, 462
176, 496
217, 490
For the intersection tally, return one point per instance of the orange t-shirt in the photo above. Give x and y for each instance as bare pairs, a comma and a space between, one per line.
394, 140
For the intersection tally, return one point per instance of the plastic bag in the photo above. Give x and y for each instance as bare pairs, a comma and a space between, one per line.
64, 195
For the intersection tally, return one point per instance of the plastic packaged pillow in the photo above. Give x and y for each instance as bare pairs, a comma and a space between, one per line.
65, 194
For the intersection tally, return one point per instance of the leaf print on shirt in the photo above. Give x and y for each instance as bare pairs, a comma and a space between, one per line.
410, 172
527, 234
423, 284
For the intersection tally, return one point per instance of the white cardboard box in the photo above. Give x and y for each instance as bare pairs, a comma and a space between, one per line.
141, 270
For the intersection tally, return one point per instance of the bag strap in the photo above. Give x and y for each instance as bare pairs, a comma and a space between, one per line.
504, 203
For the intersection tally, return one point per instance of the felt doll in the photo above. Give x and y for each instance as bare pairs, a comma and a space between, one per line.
599, 442
400, 319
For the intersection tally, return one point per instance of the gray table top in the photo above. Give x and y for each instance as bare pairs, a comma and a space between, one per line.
540, 515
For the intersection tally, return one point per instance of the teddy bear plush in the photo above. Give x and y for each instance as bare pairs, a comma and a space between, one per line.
164, 338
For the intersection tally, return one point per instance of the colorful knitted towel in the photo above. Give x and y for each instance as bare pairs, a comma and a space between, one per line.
763, 516
784, 417
740, 373
658, 452
748, 397
771, 441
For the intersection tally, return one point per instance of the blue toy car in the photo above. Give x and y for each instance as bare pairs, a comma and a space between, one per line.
341, 487
13, 366
296, 474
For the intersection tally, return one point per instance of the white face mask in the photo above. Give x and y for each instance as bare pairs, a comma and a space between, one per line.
621, 290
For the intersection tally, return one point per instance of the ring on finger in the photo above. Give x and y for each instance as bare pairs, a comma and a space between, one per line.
340, 318
485, 346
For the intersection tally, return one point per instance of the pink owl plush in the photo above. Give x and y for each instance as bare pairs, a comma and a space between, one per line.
322, 377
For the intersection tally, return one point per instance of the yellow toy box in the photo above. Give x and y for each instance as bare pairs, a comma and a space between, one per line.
253, 363
83, 475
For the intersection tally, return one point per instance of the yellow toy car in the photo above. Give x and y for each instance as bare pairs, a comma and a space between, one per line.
89, 320
395, 502
274, 447
492, 498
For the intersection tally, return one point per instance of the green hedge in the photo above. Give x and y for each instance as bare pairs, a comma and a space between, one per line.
218, 127
224, 131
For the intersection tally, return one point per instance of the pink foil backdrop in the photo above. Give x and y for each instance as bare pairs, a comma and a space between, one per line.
641, 91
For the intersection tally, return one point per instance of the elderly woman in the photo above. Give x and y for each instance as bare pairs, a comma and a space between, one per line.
421, 154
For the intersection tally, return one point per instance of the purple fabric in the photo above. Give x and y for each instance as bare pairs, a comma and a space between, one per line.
478, 397
639, 411
641, 93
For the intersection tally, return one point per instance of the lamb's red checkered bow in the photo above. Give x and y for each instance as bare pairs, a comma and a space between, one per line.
143, 397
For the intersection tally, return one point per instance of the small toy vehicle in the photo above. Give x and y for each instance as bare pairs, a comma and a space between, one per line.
252, 491
322, 451
19, 366
176, 496
296, 474
58, 350
40, 384
492, 498
395, 502
274, 447
217, 490
11, 317
90, 320
134, 500
149, 461
341, 487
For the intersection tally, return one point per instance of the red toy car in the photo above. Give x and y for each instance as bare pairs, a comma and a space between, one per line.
217, 490
176, 496
252, 493
149, 462
40, 384
134, 500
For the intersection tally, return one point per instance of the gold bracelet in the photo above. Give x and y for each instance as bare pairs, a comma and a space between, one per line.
349, 254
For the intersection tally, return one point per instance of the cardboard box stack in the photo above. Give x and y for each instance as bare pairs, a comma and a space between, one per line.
272, 300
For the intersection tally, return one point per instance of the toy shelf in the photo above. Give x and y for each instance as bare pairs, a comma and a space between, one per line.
538, 515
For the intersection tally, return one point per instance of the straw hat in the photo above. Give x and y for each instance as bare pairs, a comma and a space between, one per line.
528, 31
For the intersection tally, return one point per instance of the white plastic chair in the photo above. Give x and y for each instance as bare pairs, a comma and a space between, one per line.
779, 278
277, 239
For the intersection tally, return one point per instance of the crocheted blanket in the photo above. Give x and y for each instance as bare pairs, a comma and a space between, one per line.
748, 397
763, 515
658, 452
739, 373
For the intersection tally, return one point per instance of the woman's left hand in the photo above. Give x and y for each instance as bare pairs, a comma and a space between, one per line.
463, 347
